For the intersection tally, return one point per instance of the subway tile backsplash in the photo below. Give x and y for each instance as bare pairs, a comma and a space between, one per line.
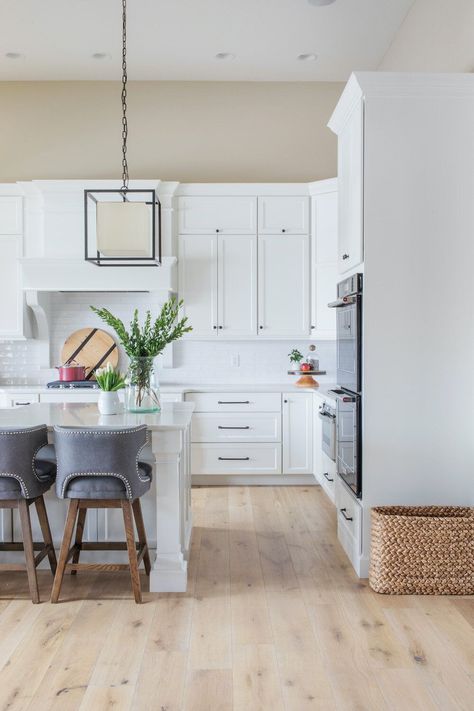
194, 362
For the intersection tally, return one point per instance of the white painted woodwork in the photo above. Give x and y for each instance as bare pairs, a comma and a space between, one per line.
349, 524
20, 400
350, 167
11, 295
237, 285
248, 458
418, 254
234, 402
217, 214
324, 269
197, 265
11, 215
297, 433
283, 286
236, 427
283, 214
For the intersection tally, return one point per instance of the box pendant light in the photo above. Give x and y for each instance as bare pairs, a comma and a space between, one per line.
122, 227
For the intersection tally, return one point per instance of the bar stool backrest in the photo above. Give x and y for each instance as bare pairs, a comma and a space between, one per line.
100, 451
18, 450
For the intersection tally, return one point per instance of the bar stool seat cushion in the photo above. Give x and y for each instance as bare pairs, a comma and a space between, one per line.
106, 487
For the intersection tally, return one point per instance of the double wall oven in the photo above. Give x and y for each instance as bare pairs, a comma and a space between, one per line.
349, 378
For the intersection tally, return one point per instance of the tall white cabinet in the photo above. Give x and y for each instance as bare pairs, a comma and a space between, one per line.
12, 324
260, 265
406, 156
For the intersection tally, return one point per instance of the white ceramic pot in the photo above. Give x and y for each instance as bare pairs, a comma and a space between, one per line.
109, 403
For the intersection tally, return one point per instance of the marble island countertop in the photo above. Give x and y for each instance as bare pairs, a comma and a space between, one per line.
173, 416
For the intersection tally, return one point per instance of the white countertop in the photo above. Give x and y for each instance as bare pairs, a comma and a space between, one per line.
181, 388
173, 416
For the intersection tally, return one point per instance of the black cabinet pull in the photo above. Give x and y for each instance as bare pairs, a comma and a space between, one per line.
326, 476
221, 427
285, 400
233, 402
233, 459
215, 328
348, 518
22, 403
313, 327
345, 256
221, 327
260, 327
217, 230
283, 230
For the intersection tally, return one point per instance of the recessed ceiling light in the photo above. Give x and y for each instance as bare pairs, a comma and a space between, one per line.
101, 56
13, 55
320, 3
307, 57
225, 56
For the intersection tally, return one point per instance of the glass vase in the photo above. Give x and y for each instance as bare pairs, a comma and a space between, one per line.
143, 393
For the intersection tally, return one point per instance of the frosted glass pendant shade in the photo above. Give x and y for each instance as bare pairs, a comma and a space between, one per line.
123, 229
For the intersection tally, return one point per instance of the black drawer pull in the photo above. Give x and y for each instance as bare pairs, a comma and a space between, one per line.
22, 403
326, 476
233, 402
221, 427
233, 459
345, 256
348, 518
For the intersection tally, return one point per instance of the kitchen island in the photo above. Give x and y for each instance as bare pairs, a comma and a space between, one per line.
167, 507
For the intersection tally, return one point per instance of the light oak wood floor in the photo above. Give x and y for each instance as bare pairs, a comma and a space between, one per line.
274, 619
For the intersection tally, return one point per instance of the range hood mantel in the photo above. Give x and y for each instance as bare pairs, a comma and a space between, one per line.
54, 275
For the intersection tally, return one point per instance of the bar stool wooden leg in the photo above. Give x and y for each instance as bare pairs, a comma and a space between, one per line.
137, 511
81, 518
65, 546
25, 521
132, 550
46, 531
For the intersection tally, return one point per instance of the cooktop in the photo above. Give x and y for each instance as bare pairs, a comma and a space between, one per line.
73, 384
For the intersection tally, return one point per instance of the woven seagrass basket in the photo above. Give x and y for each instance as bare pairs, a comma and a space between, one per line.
422, 550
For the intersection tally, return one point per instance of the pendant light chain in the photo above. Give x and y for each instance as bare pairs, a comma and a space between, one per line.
124, 97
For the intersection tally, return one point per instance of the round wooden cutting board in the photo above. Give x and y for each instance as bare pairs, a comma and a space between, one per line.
92, 348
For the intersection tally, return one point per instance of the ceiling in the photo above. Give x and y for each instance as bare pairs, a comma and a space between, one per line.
179, 39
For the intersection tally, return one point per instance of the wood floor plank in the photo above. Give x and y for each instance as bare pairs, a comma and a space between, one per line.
256, 680
209, 689
118, 698
402, 689
161, 681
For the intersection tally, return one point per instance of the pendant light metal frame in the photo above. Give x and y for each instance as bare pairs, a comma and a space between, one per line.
92, 197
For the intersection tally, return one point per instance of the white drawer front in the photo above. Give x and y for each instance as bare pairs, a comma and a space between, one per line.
236, 427
171, 397
23, 399
235, 402
236, 459
70, 396
349, 521
219, 214
288, 215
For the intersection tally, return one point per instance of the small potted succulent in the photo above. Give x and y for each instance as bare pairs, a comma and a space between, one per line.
110, 381
295, 358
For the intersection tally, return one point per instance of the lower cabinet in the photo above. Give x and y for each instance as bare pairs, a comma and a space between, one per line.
297, 433
349, 524
248, 458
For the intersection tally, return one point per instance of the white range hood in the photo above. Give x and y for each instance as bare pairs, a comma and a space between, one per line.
42, 274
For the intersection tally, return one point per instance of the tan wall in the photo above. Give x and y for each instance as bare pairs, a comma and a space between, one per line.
186, 131
436, 36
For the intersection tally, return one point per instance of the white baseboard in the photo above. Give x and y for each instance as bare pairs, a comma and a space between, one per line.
244, 480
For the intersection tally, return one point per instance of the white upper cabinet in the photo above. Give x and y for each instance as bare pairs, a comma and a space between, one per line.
324, 271
283, 215
350, 161
217, 214
283, 286
11, 215
237, 285
11, 294
198, 282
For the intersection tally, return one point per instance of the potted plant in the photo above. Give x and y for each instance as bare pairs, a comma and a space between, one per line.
142, 343
295, 358
110, 381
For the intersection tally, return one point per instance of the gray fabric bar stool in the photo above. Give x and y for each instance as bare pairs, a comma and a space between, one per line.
101, 468
24, 477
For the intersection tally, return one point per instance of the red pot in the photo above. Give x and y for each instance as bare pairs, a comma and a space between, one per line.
69, 372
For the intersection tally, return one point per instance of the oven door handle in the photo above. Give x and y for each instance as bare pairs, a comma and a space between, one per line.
339, 303
326, 414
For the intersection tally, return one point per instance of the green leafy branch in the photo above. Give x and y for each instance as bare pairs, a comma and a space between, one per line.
150, 339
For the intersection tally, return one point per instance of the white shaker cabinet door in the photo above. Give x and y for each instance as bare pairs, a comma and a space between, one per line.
11, 215
217, 214
350, 160
11, 295
237, 285
198, 282
283, 215
283, 286
297, 433
324, 269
